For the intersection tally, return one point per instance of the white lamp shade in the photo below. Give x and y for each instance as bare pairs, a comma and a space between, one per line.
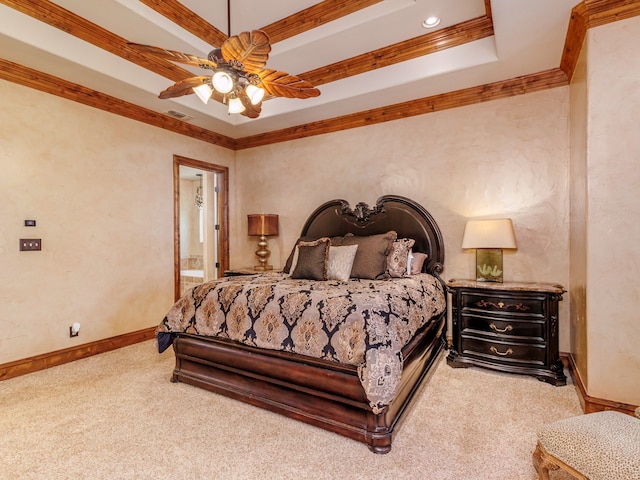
497, 233
222, 82
203, 92
255, 94
235, 105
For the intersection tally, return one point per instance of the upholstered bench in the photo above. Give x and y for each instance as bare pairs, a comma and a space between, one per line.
603, 445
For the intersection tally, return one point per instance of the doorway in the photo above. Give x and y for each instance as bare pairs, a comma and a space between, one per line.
201, 247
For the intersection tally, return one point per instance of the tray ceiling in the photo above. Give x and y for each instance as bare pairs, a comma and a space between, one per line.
362, 55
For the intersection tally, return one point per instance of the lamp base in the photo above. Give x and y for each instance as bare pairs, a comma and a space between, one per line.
489, 265
263, 255
262, 268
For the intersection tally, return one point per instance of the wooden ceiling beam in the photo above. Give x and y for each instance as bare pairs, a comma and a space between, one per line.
62, 19
442, 39
189, 20
49, 84
588, 14
487, 9
601, 12
517, 86
44, 82
290, 26
312, 17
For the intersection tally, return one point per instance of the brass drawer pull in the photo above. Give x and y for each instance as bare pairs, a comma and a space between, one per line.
502, 354
493, 327
501, 305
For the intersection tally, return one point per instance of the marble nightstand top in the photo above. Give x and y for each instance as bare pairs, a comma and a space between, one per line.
515, 286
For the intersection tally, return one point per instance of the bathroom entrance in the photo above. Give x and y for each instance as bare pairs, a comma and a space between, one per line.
200, 222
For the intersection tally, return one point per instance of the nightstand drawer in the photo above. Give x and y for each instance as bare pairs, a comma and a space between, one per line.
504, 304
504, 352
507, 328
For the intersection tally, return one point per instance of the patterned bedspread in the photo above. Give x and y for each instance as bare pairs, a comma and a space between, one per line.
361, 322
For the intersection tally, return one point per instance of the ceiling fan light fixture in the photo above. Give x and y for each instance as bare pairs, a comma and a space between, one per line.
203, 92
223, 81
431, 22
236, 68
255, 94
235, 105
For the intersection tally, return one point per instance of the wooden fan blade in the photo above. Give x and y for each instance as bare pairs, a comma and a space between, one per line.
183, 87
250, 110
250, 48
282, 84
174, 56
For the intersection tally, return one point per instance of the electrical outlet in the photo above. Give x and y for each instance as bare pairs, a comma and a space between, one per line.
30, 244
74, 330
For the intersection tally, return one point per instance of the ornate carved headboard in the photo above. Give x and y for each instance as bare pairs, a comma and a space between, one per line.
391, 212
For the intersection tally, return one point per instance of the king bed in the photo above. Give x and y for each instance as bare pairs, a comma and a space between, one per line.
342, 339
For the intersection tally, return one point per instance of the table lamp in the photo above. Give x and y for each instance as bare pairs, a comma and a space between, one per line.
489, 237
263, 225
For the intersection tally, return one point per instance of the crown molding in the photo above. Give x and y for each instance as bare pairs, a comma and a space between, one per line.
468, 96
585, 15
589, 14
44, 82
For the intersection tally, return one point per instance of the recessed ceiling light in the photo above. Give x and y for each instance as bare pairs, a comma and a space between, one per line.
431, 22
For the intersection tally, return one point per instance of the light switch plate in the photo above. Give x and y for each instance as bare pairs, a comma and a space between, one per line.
30, 244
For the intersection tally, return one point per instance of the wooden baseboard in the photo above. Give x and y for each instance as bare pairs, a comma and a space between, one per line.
60, 357
592, 404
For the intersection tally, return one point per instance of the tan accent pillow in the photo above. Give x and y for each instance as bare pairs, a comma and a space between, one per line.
371, 256
312, 261
340, 262
417, 260
398, 257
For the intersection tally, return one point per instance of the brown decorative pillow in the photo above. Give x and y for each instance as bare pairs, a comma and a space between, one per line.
398, 257
305, 243
417, 260
313, 259
288, 263
371, 256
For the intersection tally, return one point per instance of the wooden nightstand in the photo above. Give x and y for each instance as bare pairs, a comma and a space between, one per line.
511, 327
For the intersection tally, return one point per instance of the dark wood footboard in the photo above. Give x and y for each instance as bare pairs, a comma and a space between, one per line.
319, 392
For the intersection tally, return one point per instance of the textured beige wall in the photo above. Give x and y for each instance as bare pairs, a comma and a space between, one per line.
579, 203
101, 190
502, 158
190, 244
100, 187
613, 229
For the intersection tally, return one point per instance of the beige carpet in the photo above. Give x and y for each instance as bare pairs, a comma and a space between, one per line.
117, 416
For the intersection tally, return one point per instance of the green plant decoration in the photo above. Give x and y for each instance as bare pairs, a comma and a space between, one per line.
489, 271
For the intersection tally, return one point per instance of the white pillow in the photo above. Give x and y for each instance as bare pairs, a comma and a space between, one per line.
341, 262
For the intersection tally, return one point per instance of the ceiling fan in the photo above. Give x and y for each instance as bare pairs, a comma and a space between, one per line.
238, 77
